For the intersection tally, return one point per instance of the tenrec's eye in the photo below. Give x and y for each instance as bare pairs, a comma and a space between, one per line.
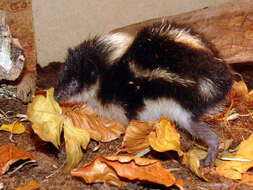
73, 84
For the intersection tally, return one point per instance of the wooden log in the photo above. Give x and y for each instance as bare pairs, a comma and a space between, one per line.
229, 27
11, 54
19, 19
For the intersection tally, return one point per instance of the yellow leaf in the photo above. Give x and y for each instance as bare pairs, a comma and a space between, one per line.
165, 137
191, 160
48, 121
227, 170
243, 156
245, 151
14, 128
75, 138
45, 115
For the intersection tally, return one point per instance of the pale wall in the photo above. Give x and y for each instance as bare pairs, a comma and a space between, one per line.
60, 24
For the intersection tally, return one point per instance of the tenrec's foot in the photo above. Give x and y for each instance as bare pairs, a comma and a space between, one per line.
26, 87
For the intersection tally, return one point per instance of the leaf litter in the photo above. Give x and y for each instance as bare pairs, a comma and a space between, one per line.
242, 107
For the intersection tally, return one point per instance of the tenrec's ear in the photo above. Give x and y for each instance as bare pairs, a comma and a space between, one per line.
94, 71
70, 51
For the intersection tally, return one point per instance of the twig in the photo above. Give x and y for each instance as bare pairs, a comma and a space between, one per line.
225, 118
10, 115
142, 153
235, 159
54, 173
215, 185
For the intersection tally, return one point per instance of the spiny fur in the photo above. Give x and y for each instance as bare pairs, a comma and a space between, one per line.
166, 69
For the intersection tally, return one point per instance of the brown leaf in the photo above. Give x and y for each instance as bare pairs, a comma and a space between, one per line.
240, 91
31, 185
10, 154
161, 135
118, 170
100, 130
98, 171
136, 138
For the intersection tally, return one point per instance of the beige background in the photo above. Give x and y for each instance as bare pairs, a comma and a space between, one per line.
60, 24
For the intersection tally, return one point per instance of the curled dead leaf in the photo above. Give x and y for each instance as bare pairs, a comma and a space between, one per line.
225, 144
136, 138
118, 170
161, 135
165, 137
102, 130
227, 170
240, 91
98, 171
14, 128
45, 115
48, 121
191, 160
10, 154
242, 161
75, 139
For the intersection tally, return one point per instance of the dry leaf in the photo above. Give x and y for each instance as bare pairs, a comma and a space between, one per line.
100, 130
247, 179
165, 137
75, 138
48, 122
14, 128
191, 160
161, 135
235, 169
136, 138
117, 170
45, 115
10, 154
240, 91
98, 171
225, 144
31, 185
227, 170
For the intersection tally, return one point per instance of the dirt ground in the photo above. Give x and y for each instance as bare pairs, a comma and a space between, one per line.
47, 171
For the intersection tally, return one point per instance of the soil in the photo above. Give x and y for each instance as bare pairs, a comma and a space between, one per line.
48, 170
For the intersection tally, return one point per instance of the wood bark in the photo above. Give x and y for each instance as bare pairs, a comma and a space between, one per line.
229, 27
11, 54
19, 20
